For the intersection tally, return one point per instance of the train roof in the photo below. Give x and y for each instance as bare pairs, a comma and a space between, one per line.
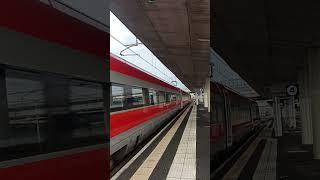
232, 91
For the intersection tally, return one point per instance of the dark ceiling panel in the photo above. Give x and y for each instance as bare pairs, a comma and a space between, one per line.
265, 41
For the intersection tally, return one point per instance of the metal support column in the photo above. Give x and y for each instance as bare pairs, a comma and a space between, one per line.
292, 113
305, 110
277, 116
314, 75
207, 94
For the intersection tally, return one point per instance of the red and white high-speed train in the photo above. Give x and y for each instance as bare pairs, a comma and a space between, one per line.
139, 104
233, 119
53, 80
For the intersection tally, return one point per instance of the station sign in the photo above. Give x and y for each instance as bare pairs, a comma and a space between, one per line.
292, 90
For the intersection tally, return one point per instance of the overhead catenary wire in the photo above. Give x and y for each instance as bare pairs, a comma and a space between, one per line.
169, 79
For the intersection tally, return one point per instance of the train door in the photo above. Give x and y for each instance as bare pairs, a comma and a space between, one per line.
228, 120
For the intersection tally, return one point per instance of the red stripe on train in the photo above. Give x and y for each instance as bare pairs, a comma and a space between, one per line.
218, 132
122, 122
44, 22
86, 165
123, 68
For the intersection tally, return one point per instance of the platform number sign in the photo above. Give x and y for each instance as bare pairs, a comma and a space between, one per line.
292, 90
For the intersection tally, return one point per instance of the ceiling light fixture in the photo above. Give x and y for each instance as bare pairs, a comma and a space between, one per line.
203, 40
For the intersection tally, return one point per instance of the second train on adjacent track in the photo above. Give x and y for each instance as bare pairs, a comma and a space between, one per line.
233, 119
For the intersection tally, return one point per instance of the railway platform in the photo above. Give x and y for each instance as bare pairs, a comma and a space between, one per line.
295, 160
266, 157
178, 151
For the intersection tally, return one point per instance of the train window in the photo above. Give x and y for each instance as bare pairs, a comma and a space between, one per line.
152, 97
117, 100
22, 96
219, 108
136, 97
168, 97
161, 96
145, 96
82, 123
155, 97
43, 113
178, 97
173, 97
